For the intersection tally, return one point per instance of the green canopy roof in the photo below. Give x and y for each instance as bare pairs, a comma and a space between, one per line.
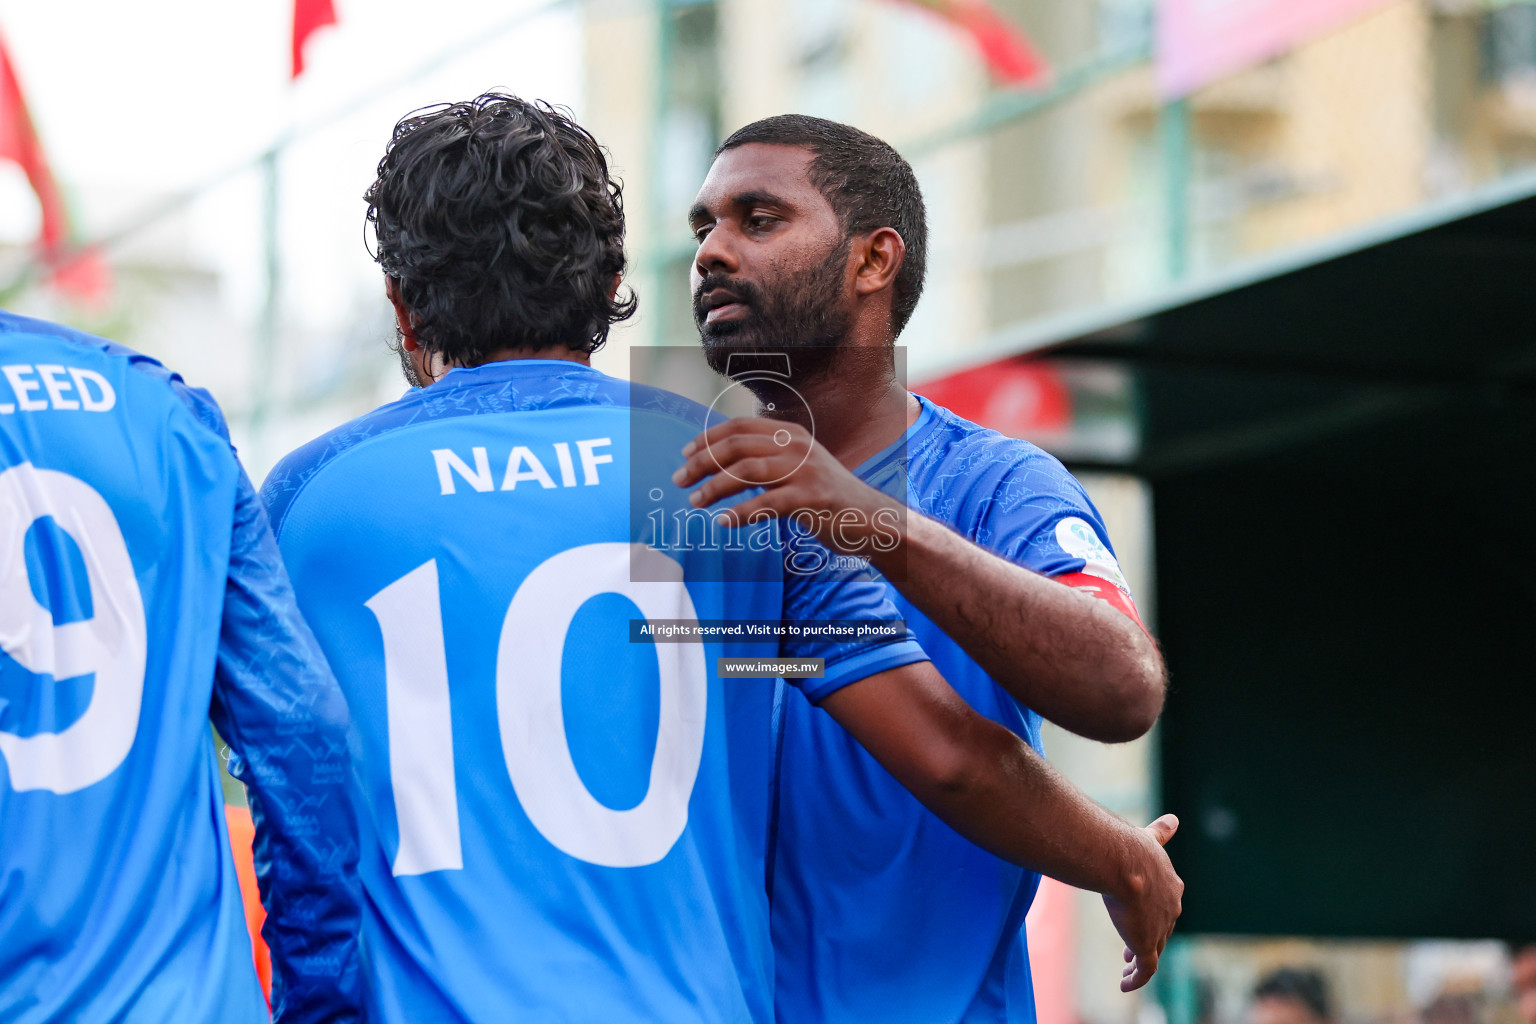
1401, 320
1341, 445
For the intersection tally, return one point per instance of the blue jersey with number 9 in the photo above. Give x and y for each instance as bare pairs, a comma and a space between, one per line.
140, 590
563, 823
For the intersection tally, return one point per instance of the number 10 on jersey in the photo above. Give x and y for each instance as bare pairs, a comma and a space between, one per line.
529, 712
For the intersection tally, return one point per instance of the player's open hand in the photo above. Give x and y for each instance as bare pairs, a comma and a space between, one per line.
1144, 914
801, 481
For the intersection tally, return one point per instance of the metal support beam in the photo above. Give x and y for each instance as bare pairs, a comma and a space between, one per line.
1001, 108
267, 321
1175, 142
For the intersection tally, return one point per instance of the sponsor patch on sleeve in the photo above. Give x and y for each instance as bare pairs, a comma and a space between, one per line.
1100, 575
1080, 540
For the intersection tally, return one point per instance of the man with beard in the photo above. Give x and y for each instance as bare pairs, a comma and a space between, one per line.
560, 821
812, 241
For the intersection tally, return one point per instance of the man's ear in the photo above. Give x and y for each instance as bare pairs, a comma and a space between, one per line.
402, 315
881, 253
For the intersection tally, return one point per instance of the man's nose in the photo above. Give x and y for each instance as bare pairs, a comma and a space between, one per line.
717, 253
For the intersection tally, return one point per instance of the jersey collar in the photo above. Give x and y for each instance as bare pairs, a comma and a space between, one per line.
510, 369
898, 448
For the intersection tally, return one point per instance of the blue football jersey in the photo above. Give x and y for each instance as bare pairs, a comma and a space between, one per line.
882, 912
140, 590
566, 821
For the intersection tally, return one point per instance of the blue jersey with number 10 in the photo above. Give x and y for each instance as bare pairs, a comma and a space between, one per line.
566, 825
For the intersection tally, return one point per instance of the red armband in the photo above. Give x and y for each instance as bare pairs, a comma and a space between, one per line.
1102, 589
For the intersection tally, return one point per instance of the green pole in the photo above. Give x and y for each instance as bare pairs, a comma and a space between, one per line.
1174, 128
654, 263
267, 320
1175, 982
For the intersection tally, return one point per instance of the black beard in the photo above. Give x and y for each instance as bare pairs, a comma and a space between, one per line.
407, 366
800, 319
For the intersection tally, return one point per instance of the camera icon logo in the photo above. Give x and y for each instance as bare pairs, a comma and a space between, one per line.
775, 396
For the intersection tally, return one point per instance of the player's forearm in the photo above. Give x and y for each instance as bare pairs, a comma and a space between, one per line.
985, 782
1079, 662
1009, 801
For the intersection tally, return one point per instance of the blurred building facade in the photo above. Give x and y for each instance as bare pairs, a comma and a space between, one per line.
1093, 190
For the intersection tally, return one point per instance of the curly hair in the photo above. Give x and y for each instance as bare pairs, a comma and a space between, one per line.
500, 225
868, 184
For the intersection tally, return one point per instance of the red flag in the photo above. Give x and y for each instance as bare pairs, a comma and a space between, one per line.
1018, 397
308, 17
19, 143
83, 274
1010, 56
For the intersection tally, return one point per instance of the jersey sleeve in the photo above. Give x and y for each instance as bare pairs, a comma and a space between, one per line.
825, 589
283, 714
1041, 518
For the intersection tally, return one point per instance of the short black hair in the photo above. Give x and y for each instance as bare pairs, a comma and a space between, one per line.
501, 227
866, 181
1302, 985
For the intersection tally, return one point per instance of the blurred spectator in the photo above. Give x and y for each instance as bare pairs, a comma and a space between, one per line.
1524, 984
1291, 996
1453, 1007
1205, 1001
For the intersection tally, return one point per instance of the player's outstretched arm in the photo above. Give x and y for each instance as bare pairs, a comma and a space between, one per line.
1078, 661
989, 786
277, 704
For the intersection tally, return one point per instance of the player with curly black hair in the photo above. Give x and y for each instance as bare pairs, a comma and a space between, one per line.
499, 230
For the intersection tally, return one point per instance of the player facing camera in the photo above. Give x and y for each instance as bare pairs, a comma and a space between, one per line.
812, 242
799, 299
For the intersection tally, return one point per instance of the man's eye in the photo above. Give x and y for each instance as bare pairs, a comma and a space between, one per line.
760, 221
699, 233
